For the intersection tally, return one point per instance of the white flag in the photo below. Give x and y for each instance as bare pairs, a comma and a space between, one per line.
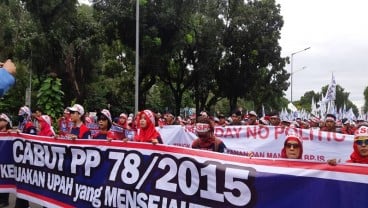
313, 107
292, 107
331, 91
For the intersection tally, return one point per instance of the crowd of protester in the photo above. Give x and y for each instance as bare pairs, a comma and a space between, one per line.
76, 123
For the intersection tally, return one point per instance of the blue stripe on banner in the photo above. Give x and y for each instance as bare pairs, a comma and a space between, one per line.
305, 192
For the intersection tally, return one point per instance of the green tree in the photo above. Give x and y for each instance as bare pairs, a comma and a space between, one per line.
192, 53
65, 41
365, 107
15, 23
306, 100
206, 54
118, 20
251, 55
50, 97
113, 83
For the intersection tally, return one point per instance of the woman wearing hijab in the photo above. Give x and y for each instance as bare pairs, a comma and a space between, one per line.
206, 138
146, 131
293, 148
360, 146
123, 121
44, 126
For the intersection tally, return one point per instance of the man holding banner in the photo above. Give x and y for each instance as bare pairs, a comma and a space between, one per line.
206, 139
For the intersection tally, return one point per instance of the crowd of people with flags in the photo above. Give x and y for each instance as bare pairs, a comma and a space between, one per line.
76, 123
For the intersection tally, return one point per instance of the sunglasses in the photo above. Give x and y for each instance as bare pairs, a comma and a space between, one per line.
72, 112
289, 145
361, 142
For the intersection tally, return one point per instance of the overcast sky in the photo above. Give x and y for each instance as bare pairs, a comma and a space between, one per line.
337, 32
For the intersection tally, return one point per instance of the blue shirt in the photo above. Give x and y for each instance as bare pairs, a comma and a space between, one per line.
100, 135
6, 81
81, 132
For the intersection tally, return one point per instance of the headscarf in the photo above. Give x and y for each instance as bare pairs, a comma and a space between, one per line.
125, 124
355, 156
292, 138
148, 133
46, 129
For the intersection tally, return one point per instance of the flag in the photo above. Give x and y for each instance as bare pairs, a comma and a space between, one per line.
331, 108
350, 115
331, 91
313, 107
292, 107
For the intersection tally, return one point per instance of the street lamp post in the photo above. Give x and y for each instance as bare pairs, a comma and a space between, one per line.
136, 58
291, 72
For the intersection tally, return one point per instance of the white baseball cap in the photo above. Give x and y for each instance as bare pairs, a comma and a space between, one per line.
106, 113
78, 108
